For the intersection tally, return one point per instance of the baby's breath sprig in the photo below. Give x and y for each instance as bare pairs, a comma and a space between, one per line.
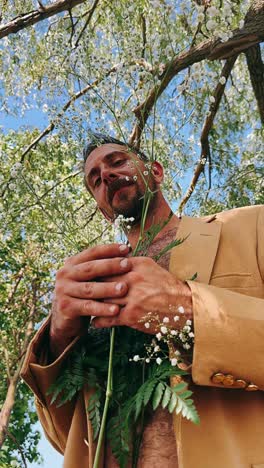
179, 341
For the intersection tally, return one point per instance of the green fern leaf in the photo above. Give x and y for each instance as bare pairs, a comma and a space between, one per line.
166, 397
173, 403
184, 404
150, 385
119, 436
158, 395
94, 413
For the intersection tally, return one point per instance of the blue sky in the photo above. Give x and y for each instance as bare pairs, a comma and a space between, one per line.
52, 458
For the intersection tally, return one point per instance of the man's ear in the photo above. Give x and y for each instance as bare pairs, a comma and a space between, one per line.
157, 172
105, 214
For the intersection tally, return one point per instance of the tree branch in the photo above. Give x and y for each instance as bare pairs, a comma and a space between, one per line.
144, 34
256, 71
87, 21
251, 34
33, 17
208, 124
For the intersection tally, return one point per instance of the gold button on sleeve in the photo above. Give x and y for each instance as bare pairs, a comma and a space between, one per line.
240, 383
228, 380
251, 388
217, 378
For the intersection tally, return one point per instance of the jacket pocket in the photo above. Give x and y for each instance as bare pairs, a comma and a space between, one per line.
233, 281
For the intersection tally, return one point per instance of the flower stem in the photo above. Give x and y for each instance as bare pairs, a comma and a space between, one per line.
108, 395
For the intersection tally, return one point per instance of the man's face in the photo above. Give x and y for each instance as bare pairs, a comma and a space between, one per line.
117, 179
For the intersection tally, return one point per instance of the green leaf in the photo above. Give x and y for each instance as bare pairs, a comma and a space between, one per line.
150, 385
94, 414
158, 395
184, 404
179, 387
194, 277
166, 397
173, 403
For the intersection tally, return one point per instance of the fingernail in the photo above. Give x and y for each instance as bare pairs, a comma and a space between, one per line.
119, 286
124, 263
123, 247
112, 308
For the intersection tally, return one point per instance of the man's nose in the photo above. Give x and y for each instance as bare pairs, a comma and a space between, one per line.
108, 176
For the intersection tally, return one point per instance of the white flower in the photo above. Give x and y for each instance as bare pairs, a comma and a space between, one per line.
159, 336
158, 361
212, 99
222, 80
174, 332
164, 330
181, 310
177, 352
211, 24
166, 320
223, 36
127, 178
174, 361
188, 322
241, 24
182, 337
227, 10
136, 358
134, 177
147, 325
186, 346
212, 11
186, 328
191, 335
156, 349
145, 173
200, 17
147, 360
176, 318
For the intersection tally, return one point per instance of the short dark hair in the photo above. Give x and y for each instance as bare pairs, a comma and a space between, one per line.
98, 139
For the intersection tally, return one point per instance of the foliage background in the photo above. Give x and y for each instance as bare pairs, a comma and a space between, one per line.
147, 70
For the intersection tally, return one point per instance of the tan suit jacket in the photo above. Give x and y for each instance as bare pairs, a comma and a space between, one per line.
227, 253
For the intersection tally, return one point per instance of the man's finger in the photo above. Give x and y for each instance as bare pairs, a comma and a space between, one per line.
97, 290
99, 251
107, 322
86, 308
97, 269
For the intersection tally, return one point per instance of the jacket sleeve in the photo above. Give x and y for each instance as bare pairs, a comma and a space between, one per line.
39, 375
229, 331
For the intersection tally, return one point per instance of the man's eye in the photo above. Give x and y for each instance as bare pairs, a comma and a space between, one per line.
118, 162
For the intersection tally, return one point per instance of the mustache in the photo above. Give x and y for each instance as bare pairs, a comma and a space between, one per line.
116, 185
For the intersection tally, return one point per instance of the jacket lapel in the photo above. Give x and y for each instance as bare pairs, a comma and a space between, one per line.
196, 255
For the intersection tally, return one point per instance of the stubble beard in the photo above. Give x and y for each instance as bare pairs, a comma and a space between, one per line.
132, 207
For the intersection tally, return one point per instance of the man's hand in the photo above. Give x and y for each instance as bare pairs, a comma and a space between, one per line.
80, 291
150, 289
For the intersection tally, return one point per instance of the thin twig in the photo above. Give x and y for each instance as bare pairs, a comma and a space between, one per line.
207, 127
87, 22
144, 35
17, 445
66, 106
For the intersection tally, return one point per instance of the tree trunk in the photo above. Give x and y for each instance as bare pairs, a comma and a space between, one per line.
7, 408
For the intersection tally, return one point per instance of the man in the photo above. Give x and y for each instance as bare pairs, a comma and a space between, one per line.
225, 301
